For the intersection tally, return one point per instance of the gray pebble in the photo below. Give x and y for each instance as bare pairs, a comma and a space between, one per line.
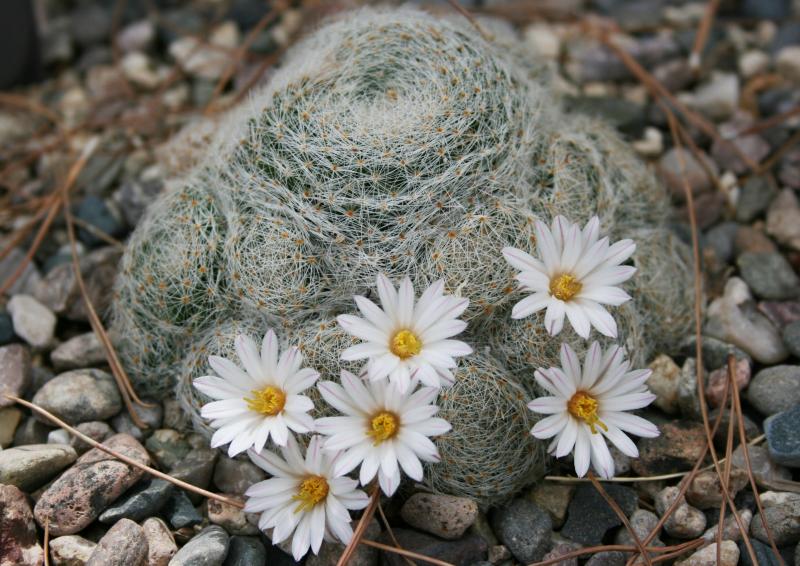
33, 322
29, 467
234, 475
783, 437
782, 513
84, 350
144, 499
524, 528
769, 275
756, 194
180, 512
123, 545
161, 545
589, 517
80, 395
209, 548
775, 389
15, 372
247, 551
445, 516
791, 338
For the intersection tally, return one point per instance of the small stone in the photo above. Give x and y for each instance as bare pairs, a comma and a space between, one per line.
553, 498
672, 172
783, 437
678, 447
782, 513
180, 512
783, 219
769, 275
730, 528
137, 36
721, 239
139, 69
33, 322
80, 395
525, 528
144, 499
95, 212
775, 389
787, 63
30, 276
751, 239
151, 416
82, 351
445, 516
780, 313
763, 553
168, 447
756, 194
718, 379
230, 518
197, 467
724, 149
459, 552
705, 491
791, 337
589, 517
715, 352
249, 551
733, 318
82, 492
643, 522
543, 39
205, 61
19, 544
330, 552
664, 383
6, 329
70, 550
763, 467
651, 144
233, 475
96, 430
753, 62
10, 418
58, 436
161, 545
31, 432
15, 372
560, 548
707, 556
688, 402
123, 545
608, 558
718, 98
685, 522
30, 467
499, 553
208, 548
751, 429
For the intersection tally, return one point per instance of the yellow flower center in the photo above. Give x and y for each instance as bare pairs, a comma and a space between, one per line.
564, 287
583, 406
405, 344
383, 426
268, 401
313, 490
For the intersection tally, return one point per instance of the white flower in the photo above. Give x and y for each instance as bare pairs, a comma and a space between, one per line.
263, 400
404, 340
304, 496
589, 404
382, 428
576, 275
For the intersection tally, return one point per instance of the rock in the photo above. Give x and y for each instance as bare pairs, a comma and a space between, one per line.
84, 350
180, 512
754, 198
787, 63
137, 36
730, 529
753, 62
608, 558
669, 169
249, 551
208, 548
643, 522
151, 416
80, 395
589, 517
30, 276
29, 467
134, 195
167, 447
764, 555
204, 61
96, 480
6, 329
775, 389
70, 550
705, 491
230, 518
626, 116
445, 516
31, 432
685, 522
461, 552
483, 529
782, 513
90, 24
96, 213
123, 545
783, 437
524, 528
651, 143
197, 467
688, 402
718, 379
678, 447
721, 240
560, 548
144, 499
783, 219
733, 318
764, 469
707, 556
161, 545
235, 475
780, 313
750, 239
751, 145
553, 498
330, 552
9, 420
791, 338
19, 543
140, 70
751, 429
664, 383
33, 322
58, 436
718, 98
15, 372
543, 39
769, 275
96, 430
715, 352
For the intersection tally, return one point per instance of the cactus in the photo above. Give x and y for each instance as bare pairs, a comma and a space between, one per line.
394, 142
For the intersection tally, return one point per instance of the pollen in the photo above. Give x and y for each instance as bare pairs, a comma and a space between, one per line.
383, 426
564, 287
405, 344
583, 406
312, 490
268, 401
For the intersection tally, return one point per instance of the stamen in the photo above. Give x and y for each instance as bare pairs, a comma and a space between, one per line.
268, 401
313, 490
583, 406
564, 287
405, 344
383, 426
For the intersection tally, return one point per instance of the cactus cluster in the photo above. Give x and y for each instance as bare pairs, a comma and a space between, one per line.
394, 142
